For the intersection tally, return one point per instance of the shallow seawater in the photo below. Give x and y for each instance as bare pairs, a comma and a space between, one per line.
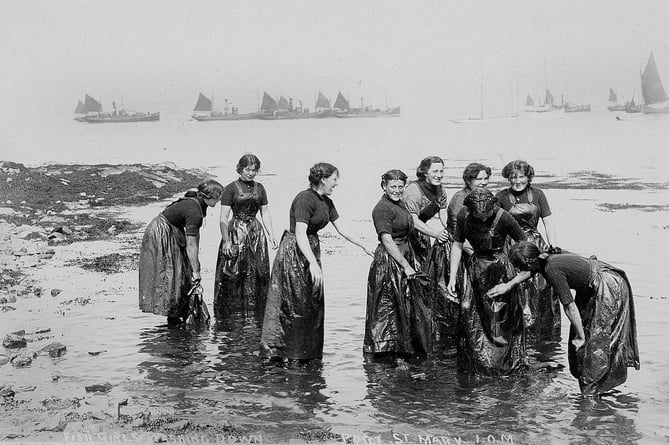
605, 201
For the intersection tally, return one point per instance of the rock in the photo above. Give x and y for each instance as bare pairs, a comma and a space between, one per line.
23, 359
54, 424
6, 391
96, 352
11, 299
57, 237
99, 387
7, 210
3, 300
55, 292
3, 359
177, 426
15, 340
26, 388
55, 349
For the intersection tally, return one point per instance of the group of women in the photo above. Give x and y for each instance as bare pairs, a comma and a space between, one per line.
485, 280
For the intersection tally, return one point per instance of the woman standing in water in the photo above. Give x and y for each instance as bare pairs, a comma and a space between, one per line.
528, 205
295, 308
169, 264
492, 332
602, 338
398, 323
242, 268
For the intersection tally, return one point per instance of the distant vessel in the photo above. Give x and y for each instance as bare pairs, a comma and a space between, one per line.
654, 96
342, 109
323, 108
531, 108
569, 108
204, 111
95, 115
613, 101
88, 108
283, 109
631, 107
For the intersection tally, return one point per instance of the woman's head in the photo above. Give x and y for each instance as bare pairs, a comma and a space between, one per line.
524, 255
476, 175
210, 191
519, 173
323, 176
392, 183
248, 166
480, 203
431, 169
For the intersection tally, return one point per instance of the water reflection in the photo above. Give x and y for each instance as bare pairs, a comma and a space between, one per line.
606, 419
177, 356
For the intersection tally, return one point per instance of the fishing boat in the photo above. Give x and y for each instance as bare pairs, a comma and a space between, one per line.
632, 107
342, 109
88, 108
569, 108
323, 108
530, 107
613, 102
654, 96
204, 111
98, 116
282, 110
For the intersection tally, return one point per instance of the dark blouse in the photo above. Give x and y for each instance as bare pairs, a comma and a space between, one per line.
313, 209
392, 217
187, 214
244, 203
566, 271
478, 233
508, 197
454, 207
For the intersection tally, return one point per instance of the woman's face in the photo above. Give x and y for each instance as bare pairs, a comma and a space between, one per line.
211, 202
481, 180
249, 173
329, 183
435, 173
518, 181
394, 189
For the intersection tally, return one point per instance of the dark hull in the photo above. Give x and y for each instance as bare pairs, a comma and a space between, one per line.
651, 110
150, 117
226, 117
286, 116
616, 108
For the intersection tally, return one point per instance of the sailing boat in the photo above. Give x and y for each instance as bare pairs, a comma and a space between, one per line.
531, 108
88, 108
95, 114
204, 111
343, 109
323, 108
283, 109
654, 95
613, 100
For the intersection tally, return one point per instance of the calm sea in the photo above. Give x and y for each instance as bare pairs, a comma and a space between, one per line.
607, 184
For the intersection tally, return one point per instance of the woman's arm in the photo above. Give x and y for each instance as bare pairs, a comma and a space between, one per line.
393, 251
503, 288
441, 235
551, 238
266, 219
304, 246
192, 251
350, 237
574, 316
223, 223
456, 255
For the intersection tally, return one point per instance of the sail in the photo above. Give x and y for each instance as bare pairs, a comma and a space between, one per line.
203, 103
91, 105
341, 103
322, 101
651, 85
80, 108
612, 96
529, 102
268, 103
283, 104
549, 97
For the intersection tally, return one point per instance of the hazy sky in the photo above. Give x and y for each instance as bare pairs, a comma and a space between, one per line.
422, 55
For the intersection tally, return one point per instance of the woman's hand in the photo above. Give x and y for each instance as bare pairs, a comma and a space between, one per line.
498, 290
578, 342
227, 248
451, 288
273, 243
443, 236
316, 274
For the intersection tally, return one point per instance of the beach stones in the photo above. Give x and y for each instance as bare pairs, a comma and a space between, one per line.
15, 340
99, 387
54, 349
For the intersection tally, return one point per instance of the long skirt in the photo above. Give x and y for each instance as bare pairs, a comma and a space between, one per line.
543, 320
492, 337
399, 315
609, 322
446, 309
242, 278
295, 308
164, 270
